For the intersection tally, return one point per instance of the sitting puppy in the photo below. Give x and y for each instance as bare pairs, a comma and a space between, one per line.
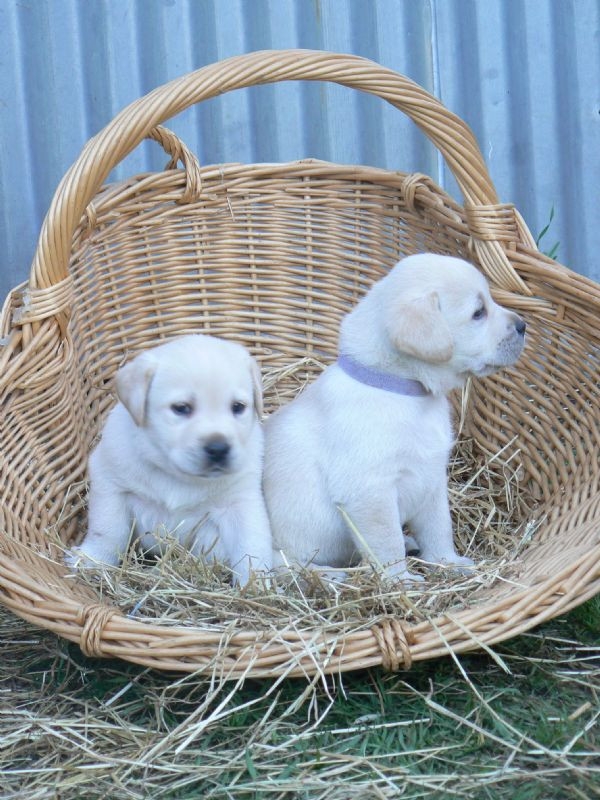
364, 449
182, 453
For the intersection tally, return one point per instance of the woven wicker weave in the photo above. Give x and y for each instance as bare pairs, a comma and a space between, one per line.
273, 255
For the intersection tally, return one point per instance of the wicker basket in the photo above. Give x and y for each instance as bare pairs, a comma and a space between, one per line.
273, 255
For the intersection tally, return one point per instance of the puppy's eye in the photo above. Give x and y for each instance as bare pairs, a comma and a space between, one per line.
237, 408
182, 409
481, 313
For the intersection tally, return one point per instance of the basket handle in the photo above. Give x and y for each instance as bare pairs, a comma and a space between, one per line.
179, 152
491, 222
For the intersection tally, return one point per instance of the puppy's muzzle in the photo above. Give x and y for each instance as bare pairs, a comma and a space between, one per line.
511, 346
216, 451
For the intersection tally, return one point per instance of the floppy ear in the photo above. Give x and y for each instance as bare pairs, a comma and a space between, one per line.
419, 329
257, 389
133, 383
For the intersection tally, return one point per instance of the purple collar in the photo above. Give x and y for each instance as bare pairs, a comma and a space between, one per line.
381, 380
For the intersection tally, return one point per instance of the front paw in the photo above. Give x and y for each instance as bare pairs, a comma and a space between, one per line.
460, 564
460, 561
412, 546
399, 572
71, 559
75, 559
78, 558
242, 571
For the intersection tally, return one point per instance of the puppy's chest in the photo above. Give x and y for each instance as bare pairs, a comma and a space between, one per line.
421, 450
418, 466
166, 502
401, 430
407, 442
150, 513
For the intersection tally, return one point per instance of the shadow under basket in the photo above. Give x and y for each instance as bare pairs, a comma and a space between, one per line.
273, 255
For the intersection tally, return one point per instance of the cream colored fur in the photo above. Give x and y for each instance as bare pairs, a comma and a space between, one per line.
181, 454
344, 451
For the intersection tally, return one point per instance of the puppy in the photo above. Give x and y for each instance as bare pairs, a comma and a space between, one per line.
364, 449
181, 453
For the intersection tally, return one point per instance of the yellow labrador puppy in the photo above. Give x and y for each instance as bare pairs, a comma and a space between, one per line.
181, 453
364, 449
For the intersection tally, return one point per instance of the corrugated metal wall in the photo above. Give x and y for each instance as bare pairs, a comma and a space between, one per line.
523, 73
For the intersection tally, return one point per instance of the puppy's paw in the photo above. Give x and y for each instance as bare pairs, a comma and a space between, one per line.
331, 575
460, 561
71, 559
399, 573
462, 565
412, 546
262, 580
250, 570
76, 560
410, 577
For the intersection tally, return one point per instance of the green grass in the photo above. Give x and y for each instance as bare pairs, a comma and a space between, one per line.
552, 251
72, 727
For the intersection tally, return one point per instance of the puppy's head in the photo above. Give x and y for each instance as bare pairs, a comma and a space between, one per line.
437, 317
195, 400
440, 311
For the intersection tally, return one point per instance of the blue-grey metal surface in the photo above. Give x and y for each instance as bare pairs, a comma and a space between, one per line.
523, 73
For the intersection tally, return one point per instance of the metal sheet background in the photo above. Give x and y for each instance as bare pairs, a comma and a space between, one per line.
523, 73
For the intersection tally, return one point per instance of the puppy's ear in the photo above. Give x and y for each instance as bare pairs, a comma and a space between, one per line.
419, 329
257, 388
133, 384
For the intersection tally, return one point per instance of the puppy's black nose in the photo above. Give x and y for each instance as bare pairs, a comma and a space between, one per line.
217, 450
520, 326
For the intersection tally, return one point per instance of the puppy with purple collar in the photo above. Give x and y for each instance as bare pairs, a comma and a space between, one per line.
364, 450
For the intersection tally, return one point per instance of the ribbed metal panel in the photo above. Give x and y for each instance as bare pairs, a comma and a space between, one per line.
523, 73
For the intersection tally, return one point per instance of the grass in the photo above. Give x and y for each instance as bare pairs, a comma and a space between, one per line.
72, 727
552, 251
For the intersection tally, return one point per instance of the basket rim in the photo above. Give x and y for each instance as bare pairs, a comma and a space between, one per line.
103, 630
25, 308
